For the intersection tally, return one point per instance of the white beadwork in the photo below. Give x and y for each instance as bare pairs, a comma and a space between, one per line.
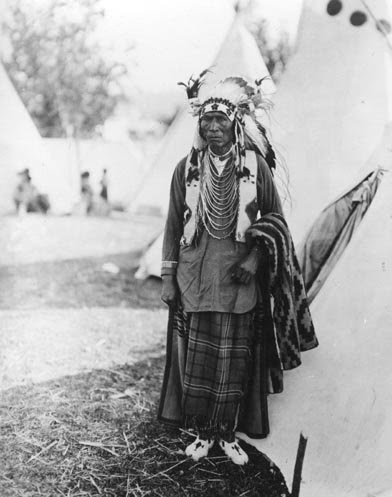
219, 195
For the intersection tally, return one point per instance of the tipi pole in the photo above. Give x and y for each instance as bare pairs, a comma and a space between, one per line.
378, 23
298, 466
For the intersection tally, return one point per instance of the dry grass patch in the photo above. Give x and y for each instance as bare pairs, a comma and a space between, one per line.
96, 434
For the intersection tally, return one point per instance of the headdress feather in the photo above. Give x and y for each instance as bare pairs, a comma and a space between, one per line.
193, 86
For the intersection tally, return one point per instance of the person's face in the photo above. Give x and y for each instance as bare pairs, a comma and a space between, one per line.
217, 130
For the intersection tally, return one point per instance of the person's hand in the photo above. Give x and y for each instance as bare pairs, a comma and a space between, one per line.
244, 271
169, 293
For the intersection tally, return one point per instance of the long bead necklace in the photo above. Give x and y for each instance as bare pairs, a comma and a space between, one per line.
219, 198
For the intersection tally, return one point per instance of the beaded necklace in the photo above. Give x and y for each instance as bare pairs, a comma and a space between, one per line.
219, 195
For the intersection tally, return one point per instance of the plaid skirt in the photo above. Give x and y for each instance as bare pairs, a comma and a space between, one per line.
217, 367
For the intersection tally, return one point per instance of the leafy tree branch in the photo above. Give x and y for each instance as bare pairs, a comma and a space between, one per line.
60, 69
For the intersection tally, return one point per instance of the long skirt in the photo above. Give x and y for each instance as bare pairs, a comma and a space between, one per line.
217, 370
215, 378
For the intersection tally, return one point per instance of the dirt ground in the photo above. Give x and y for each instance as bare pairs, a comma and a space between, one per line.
35, 238
61, 311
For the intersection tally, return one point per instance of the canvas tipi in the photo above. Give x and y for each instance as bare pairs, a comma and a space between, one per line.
331, 111
341, 397
20, 143
332, 103
121, 159
239, 56
21, 146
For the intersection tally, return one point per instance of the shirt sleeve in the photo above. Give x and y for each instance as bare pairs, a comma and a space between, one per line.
267, 194
174, 222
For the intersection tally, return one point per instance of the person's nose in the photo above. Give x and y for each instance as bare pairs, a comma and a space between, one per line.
214, 125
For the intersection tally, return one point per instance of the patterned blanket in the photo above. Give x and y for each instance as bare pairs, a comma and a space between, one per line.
293, 326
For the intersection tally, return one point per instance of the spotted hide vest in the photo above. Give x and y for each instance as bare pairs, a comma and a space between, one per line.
248, 205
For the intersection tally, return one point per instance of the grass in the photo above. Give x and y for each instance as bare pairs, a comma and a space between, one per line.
96, 434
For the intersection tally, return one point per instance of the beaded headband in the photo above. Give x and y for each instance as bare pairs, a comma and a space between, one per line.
218, 105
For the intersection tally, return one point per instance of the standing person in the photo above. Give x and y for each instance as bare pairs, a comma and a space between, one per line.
104, 185
227, 253
86, 192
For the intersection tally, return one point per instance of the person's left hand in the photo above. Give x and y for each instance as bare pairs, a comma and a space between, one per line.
244, 271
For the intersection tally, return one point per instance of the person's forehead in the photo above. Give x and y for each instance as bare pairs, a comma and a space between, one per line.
215, 113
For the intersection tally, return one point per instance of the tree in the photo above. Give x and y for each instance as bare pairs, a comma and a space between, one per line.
59, 67
275, 52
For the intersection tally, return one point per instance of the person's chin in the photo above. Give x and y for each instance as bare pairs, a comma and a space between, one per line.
216, 142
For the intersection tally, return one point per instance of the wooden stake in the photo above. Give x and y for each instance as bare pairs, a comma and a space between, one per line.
298, 466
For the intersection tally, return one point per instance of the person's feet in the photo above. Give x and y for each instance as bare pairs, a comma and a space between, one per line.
234, 452
199, 448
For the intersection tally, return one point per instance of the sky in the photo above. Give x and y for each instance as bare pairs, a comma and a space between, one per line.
174, 38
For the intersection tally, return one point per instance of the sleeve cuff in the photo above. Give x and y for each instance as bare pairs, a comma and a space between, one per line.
169, 268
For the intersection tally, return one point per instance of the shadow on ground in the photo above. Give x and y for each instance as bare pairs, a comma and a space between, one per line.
96, 434
78, 283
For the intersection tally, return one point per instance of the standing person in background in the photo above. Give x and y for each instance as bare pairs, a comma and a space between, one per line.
86, 192
104, 185
227, 252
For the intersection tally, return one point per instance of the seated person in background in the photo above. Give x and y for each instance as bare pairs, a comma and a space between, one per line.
26, 196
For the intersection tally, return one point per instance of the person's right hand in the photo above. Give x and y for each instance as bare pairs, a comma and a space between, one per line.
170, 293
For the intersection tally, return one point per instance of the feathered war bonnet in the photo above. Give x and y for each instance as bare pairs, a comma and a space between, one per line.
241, 102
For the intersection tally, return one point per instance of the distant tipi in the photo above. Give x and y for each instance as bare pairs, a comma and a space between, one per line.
20, 142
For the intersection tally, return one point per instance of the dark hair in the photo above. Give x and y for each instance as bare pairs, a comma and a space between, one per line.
26, 173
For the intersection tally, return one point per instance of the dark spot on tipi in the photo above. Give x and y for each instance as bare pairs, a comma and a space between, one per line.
358, 18
334, 7
384, 26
